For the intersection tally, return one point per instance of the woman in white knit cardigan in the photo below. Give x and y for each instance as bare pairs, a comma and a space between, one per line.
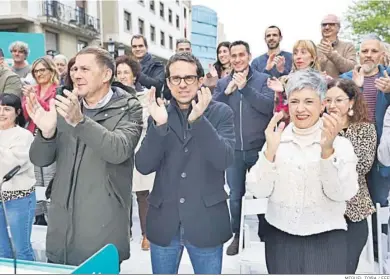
308, 173
19, 192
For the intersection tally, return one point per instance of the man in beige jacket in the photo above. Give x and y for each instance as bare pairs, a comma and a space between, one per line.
336, 57
9, 81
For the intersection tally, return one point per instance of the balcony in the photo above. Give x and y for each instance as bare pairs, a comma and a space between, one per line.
74, 20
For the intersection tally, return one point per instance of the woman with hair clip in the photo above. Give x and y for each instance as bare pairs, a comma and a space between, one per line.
304, 57
19, 192
46, 76
344, 99
219, 69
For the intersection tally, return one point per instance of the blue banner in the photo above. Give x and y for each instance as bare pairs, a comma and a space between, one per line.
36, 44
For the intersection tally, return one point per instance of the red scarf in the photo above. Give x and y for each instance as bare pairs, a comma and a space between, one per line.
43, 101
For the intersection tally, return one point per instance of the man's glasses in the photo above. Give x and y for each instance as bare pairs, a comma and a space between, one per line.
330, 25
176, 80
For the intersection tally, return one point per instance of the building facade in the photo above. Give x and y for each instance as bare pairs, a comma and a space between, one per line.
204, 34
221, 33
161, 22
67, 25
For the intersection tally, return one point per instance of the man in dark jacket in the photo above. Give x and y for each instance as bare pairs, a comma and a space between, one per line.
189, 145
246, 92
152, 72
92, 142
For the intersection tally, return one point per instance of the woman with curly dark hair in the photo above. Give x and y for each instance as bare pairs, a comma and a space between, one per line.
345, 99
127, 70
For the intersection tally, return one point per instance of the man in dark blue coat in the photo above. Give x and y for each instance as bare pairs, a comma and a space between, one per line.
152, 71
246, 92
189, 145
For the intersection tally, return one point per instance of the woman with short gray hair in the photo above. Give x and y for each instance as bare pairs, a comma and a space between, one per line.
308, 173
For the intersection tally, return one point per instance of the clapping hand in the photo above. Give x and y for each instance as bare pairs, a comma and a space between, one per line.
273, 134
358, 76
240, 79
331, 127
270, 62
325, 47
280, 62
383, 83
46, 121
28, 89
198, 108
157, 108
232, 86
213, 72
69, 108
275, 84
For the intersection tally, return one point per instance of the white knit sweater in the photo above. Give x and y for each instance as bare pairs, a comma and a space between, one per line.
307, 194
14, 150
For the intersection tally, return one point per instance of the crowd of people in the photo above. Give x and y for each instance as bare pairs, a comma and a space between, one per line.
307, 129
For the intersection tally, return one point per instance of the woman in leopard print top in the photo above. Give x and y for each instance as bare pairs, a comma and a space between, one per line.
18, 193
344, 99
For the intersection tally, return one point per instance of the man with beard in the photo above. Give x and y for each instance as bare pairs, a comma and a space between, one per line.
335, 56
275, 62
374, 81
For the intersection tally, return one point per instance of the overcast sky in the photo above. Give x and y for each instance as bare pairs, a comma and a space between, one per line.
298, 19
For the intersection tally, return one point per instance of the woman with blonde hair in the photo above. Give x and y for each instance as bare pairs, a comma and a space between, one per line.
304, 57
45, 74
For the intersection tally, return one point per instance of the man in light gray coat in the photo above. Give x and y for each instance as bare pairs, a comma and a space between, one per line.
91, 134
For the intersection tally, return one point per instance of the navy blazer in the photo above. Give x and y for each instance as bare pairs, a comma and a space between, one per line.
190, 163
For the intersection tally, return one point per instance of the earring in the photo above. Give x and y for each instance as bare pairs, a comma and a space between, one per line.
350, 112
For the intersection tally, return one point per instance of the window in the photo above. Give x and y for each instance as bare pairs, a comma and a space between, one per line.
152, 33
162, 38
141, 26
51, 40
185, 13
170, 16
151, 5
127, 18
170, 42
81, 45
162, 10
177, 22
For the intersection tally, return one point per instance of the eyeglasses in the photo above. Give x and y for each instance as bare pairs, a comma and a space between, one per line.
176, 80
338, 101
40, 71
330, 25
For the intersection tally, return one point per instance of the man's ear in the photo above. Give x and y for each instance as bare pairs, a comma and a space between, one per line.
107, 75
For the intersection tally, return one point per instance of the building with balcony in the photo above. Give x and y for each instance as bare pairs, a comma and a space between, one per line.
204, 34
161, 22
67, 25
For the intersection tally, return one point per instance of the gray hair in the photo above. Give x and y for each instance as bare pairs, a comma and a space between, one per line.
370, 36
307, 78
20, 45
61, 57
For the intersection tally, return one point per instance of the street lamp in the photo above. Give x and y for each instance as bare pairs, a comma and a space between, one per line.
111, 47
121, 49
